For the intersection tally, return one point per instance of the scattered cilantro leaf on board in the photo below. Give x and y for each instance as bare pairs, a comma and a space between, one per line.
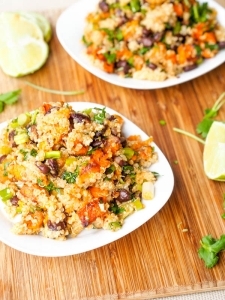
204, 126
210, 248
209, 115
9, 98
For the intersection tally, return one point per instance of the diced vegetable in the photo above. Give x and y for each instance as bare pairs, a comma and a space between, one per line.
138, 204
5, 194
21, 138
128, 152
148, 190
52, 154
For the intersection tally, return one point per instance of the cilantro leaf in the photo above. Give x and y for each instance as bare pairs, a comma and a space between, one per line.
115, 208
210, 113
210, 247
8, 98
100, 116
203, 127
70, 177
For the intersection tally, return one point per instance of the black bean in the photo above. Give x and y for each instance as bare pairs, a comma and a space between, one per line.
71, 127
84, 221
190, 67
123, 141
221, 45
146, 32
157, 36
147, 41
101, 132
119, 161
2, 158
123, 66
124, 195
79, 118
152, 66
104, 6
122, 20
11, 138
114, 131
43, 168
53, 165
14, 200
56, 226
111, 118
119, 12
96, 143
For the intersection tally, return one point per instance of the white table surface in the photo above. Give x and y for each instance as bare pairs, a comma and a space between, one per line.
40, 5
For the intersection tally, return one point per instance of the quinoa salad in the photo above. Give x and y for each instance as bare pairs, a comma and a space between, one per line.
152, 39
63, 171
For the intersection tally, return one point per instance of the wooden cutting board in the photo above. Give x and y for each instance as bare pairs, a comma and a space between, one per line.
159, 258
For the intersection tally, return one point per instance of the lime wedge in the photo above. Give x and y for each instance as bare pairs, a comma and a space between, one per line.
22, 46
41, 21
214, 152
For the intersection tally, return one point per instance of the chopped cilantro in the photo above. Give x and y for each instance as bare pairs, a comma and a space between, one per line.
110, 57
70, 177
115, 208
156, 174
210, 113
33, 152
25, 154
100, 116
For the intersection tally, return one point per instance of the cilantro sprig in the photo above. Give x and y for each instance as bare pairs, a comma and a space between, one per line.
209, 115
210, 248
204, 126
9, 98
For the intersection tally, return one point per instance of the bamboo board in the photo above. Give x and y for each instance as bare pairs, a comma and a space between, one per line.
160, 258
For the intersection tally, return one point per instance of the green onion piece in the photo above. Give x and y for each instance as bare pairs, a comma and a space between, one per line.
114, 226
110, 169
195, 11
64, 93
52, 154
138, 205
23, 119
128, 152
177, 28
135, 5
119, 35
187, 3
21, 138
34, 116
5, 194
14, 124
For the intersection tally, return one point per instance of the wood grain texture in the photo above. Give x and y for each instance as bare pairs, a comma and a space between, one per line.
160, 258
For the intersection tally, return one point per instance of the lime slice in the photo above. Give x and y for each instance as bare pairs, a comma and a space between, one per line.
214, 152
22, 47
41, 21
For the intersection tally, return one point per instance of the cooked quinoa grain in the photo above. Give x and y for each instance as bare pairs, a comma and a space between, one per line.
62, 171
152, 39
